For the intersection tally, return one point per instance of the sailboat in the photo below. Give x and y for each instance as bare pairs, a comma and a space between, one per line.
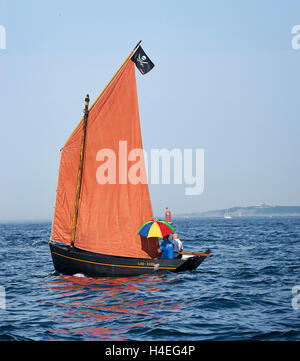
227, 215
97, 210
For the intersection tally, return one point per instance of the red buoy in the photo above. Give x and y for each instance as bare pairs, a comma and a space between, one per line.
168, 215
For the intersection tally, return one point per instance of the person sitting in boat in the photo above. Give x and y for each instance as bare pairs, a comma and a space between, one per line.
177, 246
166, 248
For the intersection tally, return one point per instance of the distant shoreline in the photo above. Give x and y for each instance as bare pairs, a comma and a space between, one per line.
174, 217
251, 211
234, 212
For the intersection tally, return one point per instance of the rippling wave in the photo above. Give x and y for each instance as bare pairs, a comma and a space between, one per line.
244, 292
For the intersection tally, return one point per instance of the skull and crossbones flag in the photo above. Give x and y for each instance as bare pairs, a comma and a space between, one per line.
141, 60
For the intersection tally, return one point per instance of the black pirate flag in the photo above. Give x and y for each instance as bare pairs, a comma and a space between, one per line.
141, 60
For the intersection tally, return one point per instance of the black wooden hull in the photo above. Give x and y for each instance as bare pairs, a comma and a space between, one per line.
68, 260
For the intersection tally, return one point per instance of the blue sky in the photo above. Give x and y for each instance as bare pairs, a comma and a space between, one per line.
226, 80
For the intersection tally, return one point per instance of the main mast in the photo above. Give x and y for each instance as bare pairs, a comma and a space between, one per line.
79, 175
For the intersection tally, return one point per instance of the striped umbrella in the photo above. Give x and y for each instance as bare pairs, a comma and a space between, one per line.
155, 229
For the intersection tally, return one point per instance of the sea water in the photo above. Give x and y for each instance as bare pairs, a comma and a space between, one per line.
248, 290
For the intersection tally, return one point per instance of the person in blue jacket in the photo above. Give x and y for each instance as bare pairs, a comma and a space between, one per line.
167, 248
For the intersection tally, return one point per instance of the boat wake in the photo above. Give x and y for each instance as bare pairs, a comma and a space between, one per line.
80, 275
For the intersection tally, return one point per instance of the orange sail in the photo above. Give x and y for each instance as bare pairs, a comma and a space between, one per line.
111, 207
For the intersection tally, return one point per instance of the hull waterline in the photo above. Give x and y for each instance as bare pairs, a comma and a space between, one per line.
69, 260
